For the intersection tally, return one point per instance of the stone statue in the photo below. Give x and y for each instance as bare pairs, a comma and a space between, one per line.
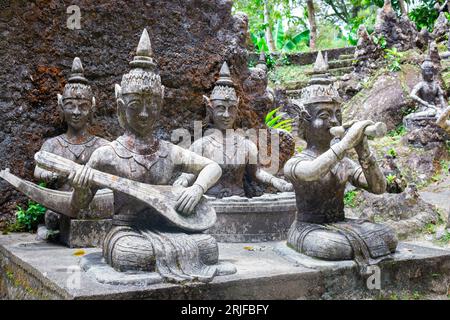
235, 153
76, 107
428, 94
149, 232
320, 174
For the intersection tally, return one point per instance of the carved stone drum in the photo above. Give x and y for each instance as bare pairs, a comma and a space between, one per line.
258, 219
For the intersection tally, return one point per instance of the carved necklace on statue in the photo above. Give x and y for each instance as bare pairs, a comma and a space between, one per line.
224, 144
78, 147
152, 153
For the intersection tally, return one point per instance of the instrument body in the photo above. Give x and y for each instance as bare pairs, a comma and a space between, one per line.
159, 197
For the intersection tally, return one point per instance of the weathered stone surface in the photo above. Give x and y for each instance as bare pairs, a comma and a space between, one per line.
76, 233
399, 32
438, 194
190, 39
386, 100
423, 132
405, 212
440, 29
258, 219
262, 274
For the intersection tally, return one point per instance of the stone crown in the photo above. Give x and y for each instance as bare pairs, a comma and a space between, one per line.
144, 74
77, 86
224, 88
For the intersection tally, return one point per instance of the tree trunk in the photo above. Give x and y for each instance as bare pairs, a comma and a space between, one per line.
268, 32
312, 25
403, 7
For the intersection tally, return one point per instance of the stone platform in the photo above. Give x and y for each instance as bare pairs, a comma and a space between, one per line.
31, 269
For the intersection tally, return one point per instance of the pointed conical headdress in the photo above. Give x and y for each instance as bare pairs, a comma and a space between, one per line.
320, 88
224, 89
144, 74
77, 86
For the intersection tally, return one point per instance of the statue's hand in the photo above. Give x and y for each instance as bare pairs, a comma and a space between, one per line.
282, 185
81, 179
188, 199
362, 149
49, 176
181, 181
355, 134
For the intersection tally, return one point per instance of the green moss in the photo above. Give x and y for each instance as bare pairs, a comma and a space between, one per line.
289, 76
350, 199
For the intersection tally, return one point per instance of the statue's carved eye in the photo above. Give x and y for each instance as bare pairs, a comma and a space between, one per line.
324, 115
133, 104
84, 107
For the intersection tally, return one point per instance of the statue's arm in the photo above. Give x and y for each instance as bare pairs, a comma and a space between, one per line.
259, 174
368, 175
312, 170
207, 171
415, 96
187, 179
82, 196
42, 174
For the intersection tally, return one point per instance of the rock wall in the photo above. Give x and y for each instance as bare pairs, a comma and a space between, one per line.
190, 40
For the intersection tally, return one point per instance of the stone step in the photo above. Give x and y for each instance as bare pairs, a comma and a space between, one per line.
347, 56
341, 63
334, 71
295, 85
340, 71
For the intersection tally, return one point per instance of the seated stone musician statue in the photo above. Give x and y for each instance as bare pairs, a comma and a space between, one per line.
142, 239
320, 174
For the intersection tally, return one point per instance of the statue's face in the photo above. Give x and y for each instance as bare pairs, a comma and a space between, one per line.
224, 113
323, 116
427, 74
141, 111
76, 112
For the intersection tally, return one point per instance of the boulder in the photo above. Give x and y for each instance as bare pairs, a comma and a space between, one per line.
405, 212
440, 29
387, 98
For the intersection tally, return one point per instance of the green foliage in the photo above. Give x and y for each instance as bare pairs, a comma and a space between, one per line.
330, 36
381, 41
424, 15
278, 121
29, 218
445, 239
393, 57
270, 62
296, 38
350, 199
392, 152
430, 228
391, 178
400, 131
284, 75
366, 16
